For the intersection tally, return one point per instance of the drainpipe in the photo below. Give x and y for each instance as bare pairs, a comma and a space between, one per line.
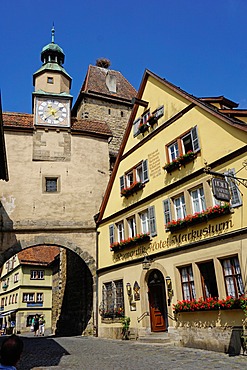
96, 284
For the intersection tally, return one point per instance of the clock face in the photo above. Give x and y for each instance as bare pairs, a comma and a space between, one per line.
52, 112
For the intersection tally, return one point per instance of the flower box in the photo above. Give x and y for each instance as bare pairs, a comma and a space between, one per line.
143, 127
210, 304
180, 161
117, 246
209, 213
152, 120
133, 188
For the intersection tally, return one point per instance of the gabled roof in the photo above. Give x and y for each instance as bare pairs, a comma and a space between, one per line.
24, 120
40, 255
95, 84
194, 101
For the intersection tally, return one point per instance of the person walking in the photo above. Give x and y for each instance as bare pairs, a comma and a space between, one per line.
10, 353
42, 325
36, 325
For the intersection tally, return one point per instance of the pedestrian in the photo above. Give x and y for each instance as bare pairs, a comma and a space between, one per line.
10, 353
36, 325
42, 325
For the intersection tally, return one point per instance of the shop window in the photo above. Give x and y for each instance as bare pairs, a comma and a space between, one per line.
232, 275
179, 207
28, 297
132, 226
113, 299
187, 281
188, 142
198, 200
37, 274
208, 279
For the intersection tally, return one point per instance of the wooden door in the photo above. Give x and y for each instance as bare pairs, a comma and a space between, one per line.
157, 305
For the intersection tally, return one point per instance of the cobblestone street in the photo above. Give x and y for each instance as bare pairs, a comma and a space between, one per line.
88, 353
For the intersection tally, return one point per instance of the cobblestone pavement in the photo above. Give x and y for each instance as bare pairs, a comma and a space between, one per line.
88, 353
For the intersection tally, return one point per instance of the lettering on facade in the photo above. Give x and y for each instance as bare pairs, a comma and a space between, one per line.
174, 240
154, 164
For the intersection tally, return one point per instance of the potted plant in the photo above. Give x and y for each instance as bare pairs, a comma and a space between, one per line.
125, 328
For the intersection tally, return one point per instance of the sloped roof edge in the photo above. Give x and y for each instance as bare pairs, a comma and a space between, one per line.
179, 91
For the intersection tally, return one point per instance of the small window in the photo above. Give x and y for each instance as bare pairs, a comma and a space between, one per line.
198, 200
122, 113
187, 281
37, 274
16, 277
233, 279
208, 279
120, 230
50, 80
109, 111
16, 298
51, 185
28, 297
132, 226
39, 297
179, 207
113, 299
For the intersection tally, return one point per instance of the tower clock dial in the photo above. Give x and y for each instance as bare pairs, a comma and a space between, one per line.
52, 112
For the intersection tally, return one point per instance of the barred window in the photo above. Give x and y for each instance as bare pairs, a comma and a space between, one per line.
113, 299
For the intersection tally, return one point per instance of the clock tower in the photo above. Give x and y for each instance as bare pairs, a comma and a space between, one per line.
51, 96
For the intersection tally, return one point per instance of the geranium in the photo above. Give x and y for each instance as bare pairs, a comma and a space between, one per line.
208, 213
180, 161
142, 237
135, 186
210, 304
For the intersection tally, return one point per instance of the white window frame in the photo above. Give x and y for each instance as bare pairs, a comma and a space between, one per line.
120, 231
173, 151
132, 226
39, 297
198, 202
179, 207
144, 221
28, 297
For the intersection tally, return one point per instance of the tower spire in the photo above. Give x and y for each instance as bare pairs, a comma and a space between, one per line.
53, 34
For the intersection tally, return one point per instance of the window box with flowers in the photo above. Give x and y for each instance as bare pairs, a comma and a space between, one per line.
152, 120
116, 246
133, 188
210, 304
209, 213
180, 161
143, 127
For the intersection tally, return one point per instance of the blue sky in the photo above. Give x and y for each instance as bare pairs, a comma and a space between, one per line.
199, 45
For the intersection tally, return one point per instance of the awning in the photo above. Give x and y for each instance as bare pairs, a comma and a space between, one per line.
6, 313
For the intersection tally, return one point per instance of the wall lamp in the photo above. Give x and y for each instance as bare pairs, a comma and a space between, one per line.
146, 264
129, 289
169, 288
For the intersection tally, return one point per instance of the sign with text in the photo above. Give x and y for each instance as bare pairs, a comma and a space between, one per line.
221, 189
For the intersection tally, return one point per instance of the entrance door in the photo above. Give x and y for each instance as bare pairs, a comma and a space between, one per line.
157, 304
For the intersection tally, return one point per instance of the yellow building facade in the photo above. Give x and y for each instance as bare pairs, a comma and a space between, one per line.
172, 225
26, 289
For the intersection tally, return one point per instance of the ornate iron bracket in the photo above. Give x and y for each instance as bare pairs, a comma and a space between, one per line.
239, 180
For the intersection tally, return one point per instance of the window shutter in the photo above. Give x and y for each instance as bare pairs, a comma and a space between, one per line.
121, 183
145, 170
236, 200
136, 124
195, 139
167, 211
111, 233
152, 221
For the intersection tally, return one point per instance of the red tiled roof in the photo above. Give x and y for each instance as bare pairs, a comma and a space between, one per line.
85, 125
41, 255
24, 120
17, 119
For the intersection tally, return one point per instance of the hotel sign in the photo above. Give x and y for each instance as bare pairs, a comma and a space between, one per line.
221, 189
